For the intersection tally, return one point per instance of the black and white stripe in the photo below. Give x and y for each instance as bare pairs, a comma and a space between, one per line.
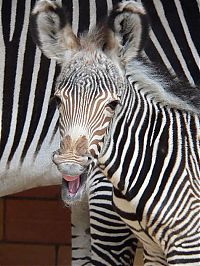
174, 40
116, 244
152, 158
28, 123
156, 179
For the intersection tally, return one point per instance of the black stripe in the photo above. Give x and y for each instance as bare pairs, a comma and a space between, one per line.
192, 16
10, 66
49, 116
84, 15
115, 2
160, 157
163, 38
67, 4
38, 102
24, 93
101, 7
131, 149
177, 29
155, 56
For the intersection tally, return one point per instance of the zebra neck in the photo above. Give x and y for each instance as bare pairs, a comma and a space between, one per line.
126, 118
143, 134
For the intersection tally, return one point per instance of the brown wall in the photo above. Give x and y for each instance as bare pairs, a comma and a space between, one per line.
35, 229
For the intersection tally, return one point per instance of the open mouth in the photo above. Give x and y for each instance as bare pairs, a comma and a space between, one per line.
73, 188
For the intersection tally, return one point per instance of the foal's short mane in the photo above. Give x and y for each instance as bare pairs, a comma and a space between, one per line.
162, 86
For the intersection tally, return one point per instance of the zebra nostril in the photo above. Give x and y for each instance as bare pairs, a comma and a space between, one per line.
89, 159
54, 153
54, 156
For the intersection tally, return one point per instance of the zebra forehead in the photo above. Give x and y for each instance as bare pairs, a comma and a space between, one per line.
91, 69
76, 131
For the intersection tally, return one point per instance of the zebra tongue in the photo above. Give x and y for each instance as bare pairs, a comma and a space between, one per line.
73, 186
73, 183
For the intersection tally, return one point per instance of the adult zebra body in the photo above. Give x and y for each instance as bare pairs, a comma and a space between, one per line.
143, 130
29, 132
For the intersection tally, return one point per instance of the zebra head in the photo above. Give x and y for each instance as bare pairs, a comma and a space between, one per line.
89, 87
87, 93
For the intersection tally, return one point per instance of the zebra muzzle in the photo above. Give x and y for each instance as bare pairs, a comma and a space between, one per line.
73, 183
73, 187
74, 175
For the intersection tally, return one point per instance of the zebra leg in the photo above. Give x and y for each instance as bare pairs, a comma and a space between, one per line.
153, 256
112, 242
185, 249
81, 244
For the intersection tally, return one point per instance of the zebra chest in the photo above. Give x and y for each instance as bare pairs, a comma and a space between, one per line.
130, 217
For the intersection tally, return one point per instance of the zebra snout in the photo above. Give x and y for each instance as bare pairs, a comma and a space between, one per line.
69, 165
71, 169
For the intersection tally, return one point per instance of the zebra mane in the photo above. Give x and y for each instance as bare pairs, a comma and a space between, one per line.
94, 39
164, 88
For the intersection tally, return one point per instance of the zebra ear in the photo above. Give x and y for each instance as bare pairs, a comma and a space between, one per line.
51, 30
128, 29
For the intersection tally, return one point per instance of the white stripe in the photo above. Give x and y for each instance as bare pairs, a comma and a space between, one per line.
50, 142
13, 19
40, 125
161, 13
59, 2
75, 16
109, 5
18, 77
141, 190
17, 156
166, 214
93, 17
164, 166
187, 33
2, 67
137, 147
198, 3
51, 135
161, 53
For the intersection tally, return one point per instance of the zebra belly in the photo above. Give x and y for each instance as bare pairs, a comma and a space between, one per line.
36, 169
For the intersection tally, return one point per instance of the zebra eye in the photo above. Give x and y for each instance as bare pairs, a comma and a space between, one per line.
113, 104
58, 100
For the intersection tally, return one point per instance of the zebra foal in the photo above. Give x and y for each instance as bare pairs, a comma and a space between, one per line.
140, 129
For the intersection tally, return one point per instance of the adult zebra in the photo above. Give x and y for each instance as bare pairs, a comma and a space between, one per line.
18, 55
29, 131
142, 129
